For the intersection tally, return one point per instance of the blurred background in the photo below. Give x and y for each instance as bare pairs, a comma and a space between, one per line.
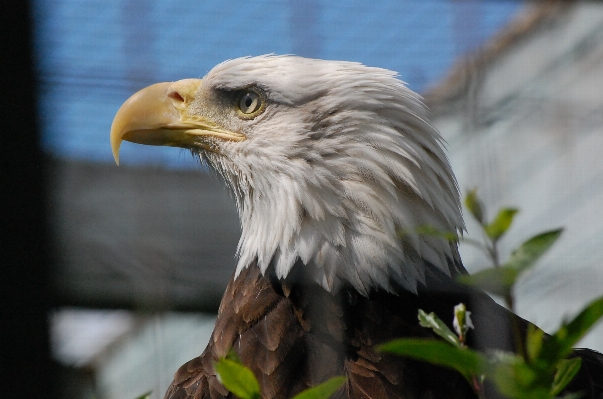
141, 253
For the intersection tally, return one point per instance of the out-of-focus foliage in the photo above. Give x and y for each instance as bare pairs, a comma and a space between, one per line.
540, 370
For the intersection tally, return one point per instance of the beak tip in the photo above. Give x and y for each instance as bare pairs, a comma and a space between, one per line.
116, 156
115, 144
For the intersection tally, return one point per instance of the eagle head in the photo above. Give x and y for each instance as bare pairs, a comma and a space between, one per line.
333, 166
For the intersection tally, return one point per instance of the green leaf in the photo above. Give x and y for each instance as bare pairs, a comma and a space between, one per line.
501, 223
238, 379
430, 231
145, 395
534, 340
473, 203
466, 361
566, 371
432, 321
568, 335
322, 391
517, 380
530, 251
498, 281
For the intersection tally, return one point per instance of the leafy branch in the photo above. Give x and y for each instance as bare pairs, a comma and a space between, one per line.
541, 369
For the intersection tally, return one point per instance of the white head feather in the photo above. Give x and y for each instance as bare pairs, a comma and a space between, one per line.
340, 163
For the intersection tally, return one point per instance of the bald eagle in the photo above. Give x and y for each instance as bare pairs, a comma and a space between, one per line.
328, 161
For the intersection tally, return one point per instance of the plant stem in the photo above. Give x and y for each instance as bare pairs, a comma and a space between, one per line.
510, 302
516, 329
493, 249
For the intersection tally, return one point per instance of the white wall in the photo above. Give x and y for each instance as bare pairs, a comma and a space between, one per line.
147, 359
535, 142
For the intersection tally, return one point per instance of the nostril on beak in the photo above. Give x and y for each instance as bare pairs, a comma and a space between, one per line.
176, 96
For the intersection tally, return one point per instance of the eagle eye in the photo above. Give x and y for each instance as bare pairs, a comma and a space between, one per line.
250, 104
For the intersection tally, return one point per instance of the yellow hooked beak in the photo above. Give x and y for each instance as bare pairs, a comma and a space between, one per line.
158, 115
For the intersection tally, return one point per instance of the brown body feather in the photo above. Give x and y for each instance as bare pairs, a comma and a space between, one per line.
293, 335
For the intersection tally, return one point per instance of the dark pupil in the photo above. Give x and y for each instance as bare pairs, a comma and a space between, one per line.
248, 100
